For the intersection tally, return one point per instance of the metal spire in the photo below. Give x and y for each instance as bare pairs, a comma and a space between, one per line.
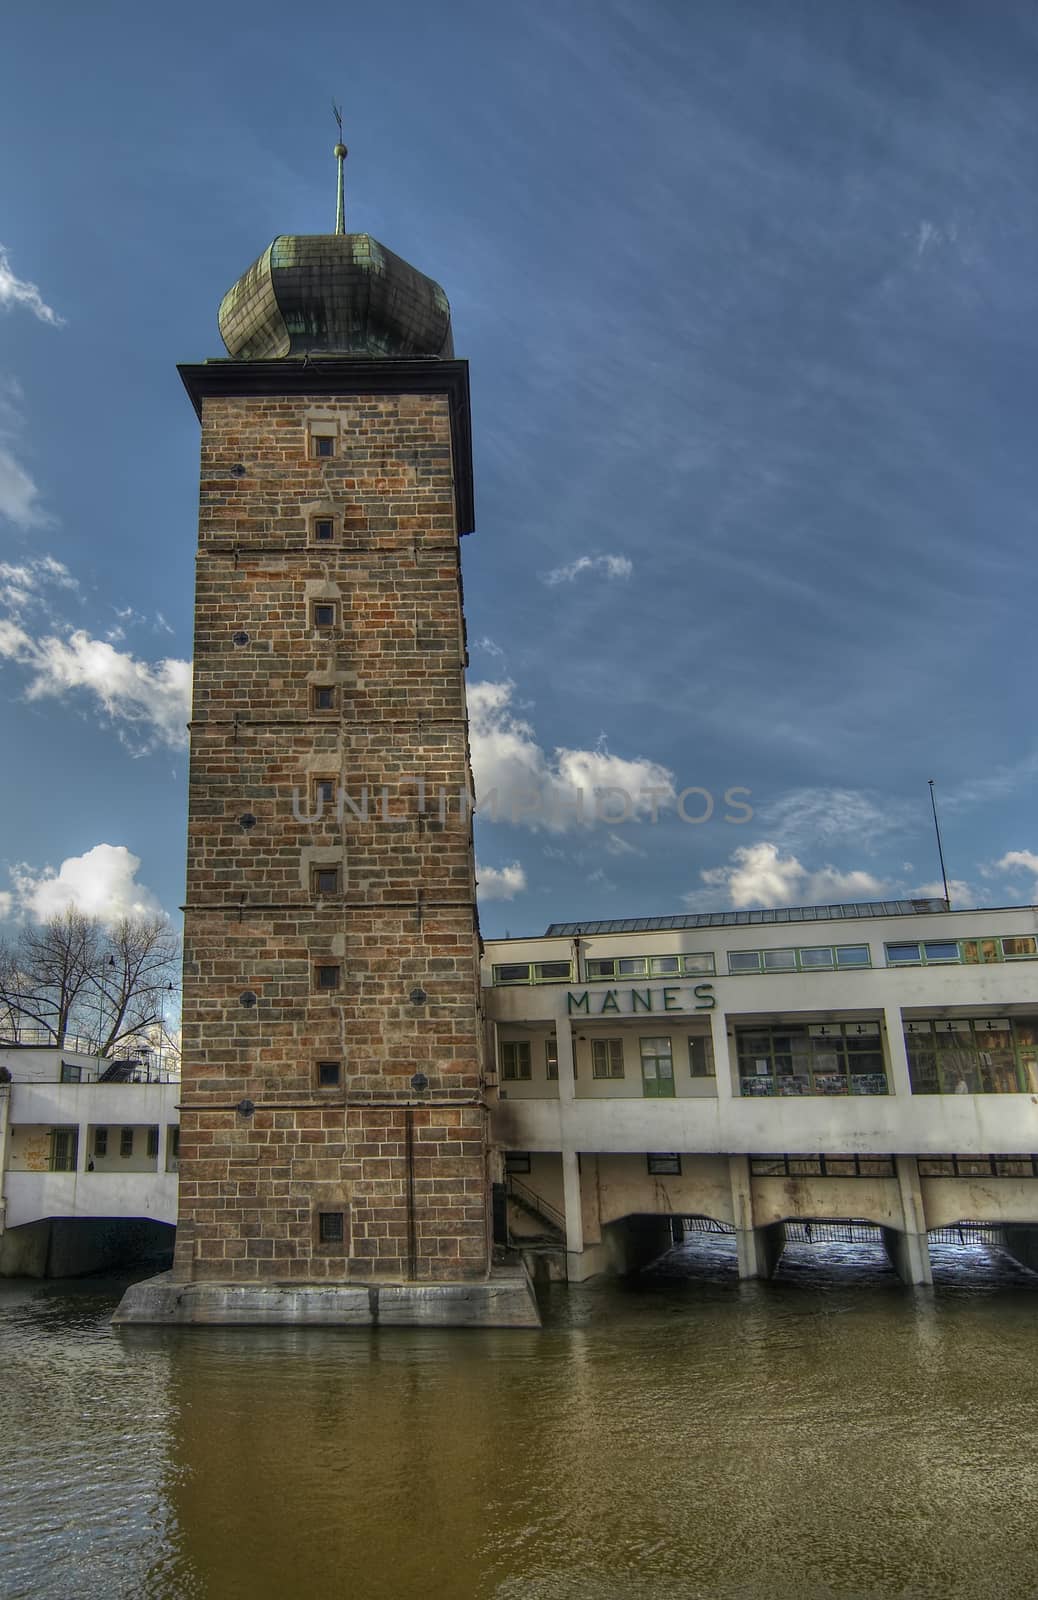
340, 156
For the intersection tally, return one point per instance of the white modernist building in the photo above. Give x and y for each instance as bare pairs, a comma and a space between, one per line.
875, 1061
83, 1140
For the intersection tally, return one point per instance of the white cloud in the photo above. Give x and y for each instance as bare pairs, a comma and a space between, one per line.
604, 566
960, 893
757, 875
489, 646
1027, 859
517, 781
19, 494
500, 883
17, 292
100, 883
616, 846
154, 701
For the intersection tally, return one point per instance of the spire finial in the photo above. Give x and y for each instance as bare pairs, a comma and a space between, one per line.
340, 156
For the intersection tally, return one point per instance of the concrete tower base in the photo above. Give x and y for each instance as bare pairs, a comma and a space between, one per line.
504, 1300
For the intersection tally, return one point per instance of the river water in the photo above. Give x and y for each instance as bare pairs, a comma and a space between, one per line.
828, 1434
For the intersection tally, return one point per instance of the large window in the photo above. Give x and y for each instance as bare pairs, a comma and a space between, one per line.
825, 1058
515, 1059
973, 1055
607, 1058
964, 952
808, 958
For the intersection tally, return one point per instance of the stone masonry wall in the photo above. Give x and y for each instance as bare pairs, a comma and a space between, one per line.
396, 929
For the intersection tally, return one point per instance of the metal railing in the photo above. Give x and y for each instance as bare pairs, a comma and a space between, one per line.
535, 1202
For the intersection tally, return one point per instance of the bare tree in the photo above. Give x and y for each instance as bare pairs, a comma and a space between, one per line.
44, 974
72, 974
129, 987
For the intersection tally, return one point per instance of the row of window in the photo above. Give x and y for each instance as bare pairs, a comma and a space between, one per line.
813, 958
607, 1059
809, 958
821, 1166
126, 1138
967, 952
692, 965
667, 1163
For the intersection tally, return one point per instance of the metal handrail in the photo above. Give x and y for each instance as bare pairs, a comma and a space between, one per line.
536, 1202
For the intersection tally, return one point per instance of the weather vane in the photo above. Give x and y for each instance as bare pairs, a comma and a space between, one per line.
340, 156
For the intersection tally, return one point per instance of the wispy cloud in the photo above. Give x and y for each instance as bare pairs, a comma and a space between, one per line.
489, 647
500, 883
1027, 860
603, 566
148, 704
16, 291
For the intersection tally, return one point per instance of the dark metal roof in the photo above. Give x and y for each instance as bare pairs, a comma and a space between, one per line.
749, 919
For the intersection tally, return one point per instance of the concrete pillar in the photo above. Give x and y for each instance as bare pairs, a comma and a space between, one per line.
758, 1249
572, 1205
727, 1087
564, 1042
898, 1080
908, 1246
5, 1120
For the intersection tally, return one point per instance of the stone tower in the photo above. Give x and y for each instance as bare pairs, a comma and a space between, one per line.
333, 1146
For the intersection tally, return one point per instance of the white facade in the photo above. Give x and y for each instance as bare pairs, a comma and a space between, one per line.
903, 1032
84, 1148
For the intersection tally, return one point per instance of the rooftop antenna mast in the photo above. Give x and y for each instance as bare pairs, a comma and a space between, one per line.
940, 848
340, 156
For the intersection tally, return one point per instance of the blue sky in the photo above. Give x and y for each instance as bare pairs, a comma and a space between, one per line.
747, 289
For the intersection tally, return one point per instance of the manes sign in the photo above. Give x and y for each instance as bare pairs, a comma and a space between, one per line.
628, 1002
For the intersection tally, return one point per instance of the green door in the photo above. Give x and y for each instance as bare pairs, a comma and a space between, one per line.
657, 1069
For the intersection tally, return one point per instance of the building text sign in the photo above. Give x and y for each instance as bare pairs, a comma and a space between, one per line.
629, 1002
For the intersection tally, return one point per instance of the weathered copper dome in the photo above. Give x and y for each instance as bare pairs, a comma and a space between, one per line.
334, 293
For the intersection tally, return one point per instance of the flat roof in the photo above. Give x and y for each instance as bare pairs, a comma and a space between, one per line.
747, 919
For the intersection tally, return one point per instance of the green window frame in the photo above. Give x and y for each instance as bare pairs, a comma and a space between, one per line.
692, 964
836, 1058
701, 1056
516, 1064
607, 1058
802, 958
973, 1055
982, 950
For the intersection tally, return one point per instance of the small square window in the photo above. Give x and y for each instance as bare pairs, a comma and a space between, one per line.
664, 1164
323, 615
323, 697
70, 1073
331, 1227
329, 1074
517, 1160
323, 445
328, 976
326, 880
324, 530
324, 791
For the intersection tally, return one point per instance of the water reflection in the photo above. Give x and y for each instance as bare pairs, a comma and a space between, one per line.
828, 1434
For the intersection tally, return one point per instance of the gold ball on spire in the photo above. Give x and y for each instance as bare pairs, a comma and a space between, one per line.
340, 151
